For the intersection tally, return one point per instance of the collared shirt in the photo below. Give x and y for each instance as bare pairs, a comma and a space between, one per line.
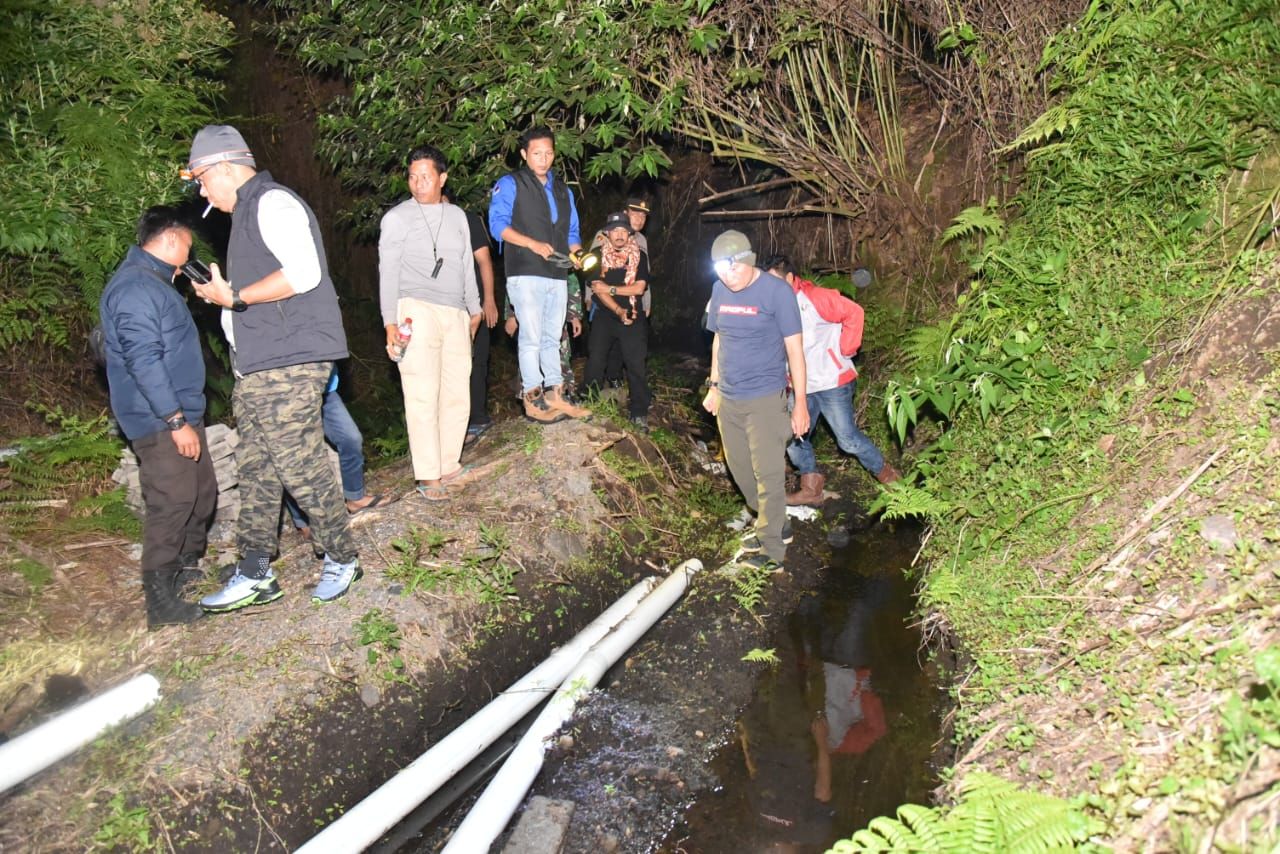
504, 201
282, 220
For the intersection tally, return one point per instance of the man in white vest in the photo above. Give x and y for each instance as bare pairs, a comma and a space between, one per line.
832, 329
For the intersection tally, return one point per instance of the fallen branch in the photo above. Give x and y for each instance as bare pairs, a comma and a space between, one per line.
753, 188
761, 214
1155, 510
117, 541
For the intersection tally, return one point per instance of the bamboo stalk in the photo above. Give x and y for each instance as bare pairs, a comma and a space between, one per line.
758, 188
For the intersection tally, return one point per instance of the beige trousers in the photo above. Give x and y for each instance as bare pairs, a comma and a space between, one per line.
436, 375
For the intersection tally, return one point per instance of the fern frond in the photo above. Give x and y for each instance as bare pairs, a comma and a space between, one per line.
926, 344
902, 501
980, 218
925, 824
993, 815
1054, 121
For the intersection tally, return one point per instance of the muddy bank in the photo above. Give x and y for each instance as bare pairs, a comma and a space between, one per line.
275, 718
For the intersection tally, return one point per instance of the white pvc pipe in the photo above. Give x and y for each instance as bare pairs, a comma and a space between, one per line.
507, 789
39, 748
368, 820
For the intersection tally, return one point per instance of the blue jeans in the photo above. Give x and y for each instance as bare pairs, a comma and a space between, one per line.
340, 430
540, 304
836, 406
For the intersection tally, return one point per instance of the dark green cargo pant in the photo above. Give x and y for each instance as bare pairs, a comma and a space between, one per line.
282, 448
755, 433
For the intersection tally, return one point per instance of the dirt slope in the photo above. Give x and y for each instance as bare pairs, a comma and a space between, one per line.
1175, 602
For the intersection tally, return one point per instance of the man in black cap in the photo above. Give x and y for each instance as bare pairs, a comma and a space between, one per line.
619, 317
282, 321
638, 216
758, 340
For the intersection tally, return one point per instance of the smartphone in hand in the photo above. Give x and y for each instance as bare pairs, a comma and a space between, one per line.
197, 272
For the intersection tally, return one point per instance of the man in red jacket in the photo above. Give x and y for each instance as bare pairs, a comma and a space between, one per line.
832, 335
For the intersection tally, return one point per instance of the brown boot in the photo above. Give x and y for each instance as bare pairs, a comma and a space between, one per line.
558, 402
536, 408
810, 491
888, 474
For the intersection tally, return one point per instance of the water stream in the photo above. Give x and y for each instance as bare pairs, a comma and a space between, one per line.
842, 728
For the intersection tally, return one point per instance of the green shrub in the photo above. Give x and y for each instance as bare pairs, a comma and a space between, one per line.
100, 100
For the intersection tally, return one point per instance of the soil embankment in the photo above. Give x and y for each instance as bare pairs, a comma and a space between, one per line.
1176, 585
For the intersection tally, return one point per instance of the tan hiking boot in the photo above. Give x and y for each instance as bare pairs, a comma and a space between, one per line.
888, 474
557, 401
536, 408
810, 492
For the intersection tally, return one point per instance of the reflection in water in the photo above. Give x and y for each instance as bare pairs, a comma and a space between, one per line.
825, 746
852, 716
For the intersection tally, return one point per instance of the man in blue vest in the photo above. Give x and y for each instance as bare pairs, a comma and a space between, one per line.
156, 373
282, 321
533, 216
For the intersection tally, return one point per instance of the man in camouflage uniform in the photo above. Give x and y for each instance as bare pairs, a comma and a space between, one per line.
282, 320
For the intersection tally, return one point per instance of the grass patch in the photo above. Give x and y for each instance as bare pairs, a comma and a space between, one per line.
36, 574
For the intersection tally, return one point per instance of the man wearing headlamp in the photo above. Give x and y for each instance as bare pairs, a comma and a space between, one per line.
756, 323
282, 321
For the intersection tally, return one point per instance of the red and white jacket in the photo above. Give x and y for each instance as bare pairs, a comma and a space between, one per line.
832, 327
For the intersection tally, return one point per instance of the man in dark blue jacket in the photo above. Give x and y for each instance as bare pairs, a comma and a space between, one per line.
156, 374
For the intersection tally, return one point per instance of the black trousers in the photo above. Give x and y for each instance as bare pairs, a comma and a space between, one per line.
180, 494
480, 376
613, 367
632, 340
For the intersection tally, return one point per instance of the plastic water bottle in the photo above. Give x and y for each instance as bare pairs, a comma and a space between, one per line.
405, 331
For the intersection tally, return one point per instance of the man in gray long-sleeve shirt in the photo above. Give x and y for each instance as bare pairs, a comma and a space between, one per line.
426, 276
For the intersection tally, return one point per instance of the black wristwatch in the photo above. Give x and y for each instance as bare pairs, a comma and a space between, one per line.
237, 304
613, 292
177, 422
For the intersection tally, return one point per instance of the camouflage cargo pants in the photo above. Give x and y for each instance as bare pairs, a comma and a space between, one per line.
282, 447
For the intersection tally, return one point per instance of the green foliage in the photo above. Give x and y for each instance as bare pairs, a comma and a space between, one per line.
762, 656
107, 513
415, 568
36, 574
382, 636
83, 450
101, 100
1106, 246
749, 583
126, 828
484, 571
975, 220
993, 815
901, 500
470, 77
778, 83
1109, 255
1253, 721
